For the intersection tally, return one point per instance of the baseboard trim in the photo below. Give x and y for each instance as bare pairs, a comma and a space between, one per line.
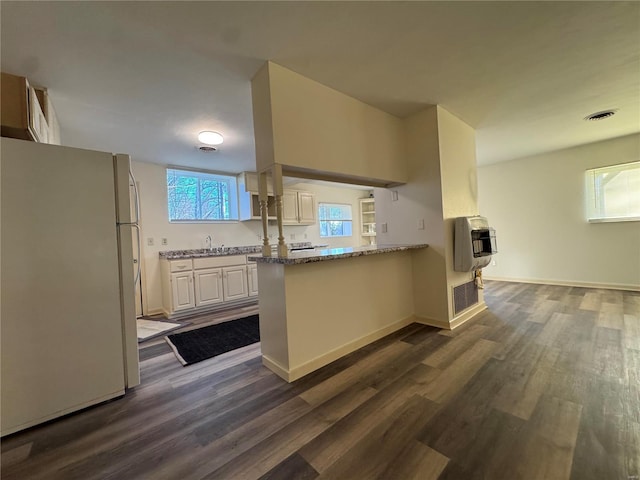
433, 323
218, 307
467, 315
314, 364
276, 368
563, 283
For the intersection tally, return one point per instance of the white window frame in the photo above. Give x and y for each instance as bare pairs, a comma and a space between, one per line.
232, 186
595, 182
320, 219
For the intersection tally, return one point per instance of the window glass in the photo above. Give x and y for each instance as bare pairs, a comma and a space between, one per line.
613, 193
335, 220
199, 196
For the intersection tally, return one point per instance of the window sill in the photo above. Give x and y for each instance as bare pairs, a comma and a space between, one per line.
180, 222
613, 219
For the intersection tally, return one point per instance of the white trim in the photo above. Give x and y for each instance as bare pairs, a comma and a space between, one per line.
568, 283
433, 323
467, 315
312, 365
181, 314
613, 219
454, 323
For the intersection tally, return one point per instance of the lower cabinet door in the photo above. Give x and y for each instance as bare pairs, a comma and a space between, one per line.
182, 291
252, 276
235, 282
208, 286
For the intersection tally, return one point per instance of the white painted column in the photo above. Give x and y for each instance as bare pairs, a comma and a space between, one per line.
263, 197
278, 191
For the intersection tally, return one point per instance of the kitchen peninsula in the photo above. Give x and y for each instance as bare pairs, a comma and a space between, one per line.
317, 306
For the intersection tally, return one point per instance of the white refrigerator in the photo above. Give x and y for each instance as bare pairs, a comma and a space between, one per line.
67, 312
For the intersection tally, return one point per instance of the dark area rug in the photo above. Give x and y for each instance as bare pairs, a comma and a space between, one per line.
198, 345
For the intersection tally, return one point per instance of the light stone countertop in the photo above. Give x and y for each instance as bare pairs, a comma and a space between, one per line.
221, 251
324, 254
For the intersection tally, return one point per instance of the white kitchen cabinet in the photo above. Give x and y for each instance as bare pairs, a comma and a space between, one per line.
190, 286
306, 208
248, 182
21, 114
252, 277
249, 200
298, 208
27, 112
235, 283
249, 206
290, 207
182, 291
53, 132
208, 286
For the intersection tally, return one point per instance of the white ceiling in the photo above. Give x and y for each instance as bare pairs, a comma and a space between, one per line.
145, 77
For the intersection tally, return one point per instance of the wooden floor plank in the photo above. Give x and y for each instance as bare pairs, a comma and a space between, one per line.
260, 459
544, 383
383, 444
325, 450
455, 375
520, 394
547, 441
415, 462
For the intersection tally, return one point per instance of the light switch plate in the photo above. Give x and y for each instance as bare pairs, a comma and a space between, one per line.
421, 224
383, 228
165, 241
150, 241
394, 195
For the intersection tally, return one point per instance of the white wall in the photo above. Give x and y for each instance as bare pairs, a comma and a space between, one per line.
155, 224
442, 186
302, 124
537, 207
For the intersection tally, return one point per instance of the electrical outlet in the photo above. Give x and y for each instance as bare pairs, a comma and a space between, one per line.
383, 228
165, 241
421, 224
293, 236
394, 195
493, 263
305, 236
150, 242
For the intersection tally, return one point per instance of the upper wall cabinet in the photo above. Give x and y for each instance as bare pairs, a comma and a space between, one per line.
298, 208
249, 200
27, 112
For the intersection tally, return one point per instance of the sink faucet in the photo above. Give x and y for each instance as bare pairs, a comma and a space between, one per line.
209, 242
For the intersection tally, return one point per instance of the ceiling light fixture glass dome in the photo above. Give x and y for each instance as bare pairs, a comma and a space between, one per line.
210, 138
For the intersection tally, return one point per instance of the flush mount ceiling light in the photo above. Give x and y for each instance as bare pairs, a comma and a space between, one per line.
210, 138
600, 115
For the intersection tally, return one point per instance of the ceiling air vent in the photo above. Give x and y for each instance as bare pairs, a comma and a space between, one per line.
600, 115
207, 149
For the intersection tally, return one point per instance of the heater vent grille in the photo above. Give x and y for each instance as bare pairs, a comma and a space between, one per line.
464, 296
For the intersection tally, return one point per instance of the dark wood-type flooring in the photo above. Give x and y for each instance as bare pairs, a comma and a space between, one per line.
543, 384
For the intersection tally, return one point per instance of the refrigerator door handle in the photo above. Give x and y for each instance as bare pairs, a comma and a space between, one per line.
136, 200
137, 279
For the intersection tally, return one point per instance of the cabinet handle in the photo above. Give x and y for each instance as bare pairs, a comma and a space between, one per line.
181, 266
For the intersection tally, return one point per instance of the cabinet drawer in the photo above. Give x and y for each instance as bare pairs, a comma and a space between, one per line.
215, 262
180, 265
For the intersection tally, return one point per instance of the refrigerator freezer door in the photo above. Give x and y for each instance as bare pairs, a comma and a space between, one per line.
61, 324
126, 223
